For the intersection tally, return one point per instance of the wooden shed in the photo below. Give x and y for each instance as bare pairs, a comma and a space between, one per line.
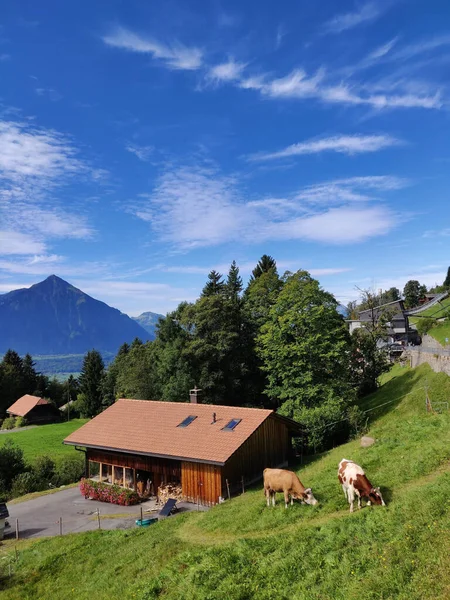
34, 409
205, 449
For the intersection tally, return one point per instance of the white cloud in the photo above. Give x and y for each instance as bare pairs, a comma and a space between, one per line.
14, 242
50, 93
228, 71
383, 50
142, 152
344, 144
174, 56
298, 85
368, 12
33, 163
199, 207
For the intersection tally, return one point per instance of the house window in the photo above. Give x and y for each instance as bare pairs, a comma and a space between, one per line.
231, 424
94, 470
187, 421
107, 473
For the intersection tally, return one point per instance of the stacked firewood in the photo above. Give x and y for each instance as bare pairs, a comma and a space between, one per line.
170, 490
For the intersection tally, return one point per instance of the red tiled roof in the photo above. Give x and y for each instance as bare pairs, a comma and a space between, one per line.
150, 427
22, 406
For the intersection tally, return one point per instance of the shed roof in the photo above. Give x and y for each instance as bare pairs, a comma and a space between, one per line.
23, 405
152, 428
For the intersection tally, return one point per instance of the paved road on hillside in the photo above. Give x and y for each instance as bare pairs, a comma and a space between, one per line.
40, 516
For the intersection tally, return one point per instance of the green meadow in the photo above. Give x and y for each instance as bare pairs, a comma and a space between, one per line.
242, 550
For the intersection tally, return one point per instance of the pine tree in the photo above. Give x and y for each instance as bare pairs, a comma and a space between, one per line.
265, 264
90, 380
29, 373
446, 283
234, 286
215, 285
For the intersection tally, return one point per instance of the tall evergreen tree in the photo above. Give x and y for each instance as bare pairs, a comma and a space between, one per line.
446, 283
265, 264
215, 284
90, 380
413, 293
29, 373
233, 286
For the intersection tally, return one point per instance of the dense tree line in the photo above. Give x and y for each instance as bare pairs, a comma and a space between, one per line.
277, 343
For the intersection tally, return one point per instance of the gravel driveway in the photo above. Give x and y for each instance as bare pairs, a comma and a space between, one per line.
40, 516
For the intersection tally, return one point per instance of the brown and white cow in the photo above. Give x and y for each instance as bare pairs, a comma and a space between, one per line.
280, 480
354, 482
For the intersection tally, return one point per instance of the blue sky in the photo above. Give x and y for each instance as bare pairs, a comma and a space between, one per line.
144, 143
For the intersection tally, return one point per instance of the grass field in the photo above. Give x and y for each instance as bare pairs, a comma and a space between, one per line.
242, 550
44, 439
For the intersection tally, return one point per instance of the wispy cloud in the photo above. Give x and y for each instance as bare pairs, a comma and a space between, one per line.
352, 189
49, 93
299, 85
33, 163
343, 144
367, 12
15, 242
227, 71
198, 206
174, 56
142, 152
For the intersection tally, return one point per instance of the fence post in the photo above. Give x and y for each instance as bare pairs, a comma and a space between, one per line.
141, 515
228, 489
98, 518
242, 481
17, 529
60, 526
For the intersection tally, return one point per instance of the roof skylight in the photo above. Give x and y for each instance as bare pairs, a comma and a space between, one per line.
187, 421
231, 424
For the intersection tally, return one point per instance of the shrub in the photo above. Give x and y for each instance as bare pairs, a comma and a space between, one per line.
21, 422
9, 423
424, 325
11, 462
44, 469
104, 492
69, 469
24, 483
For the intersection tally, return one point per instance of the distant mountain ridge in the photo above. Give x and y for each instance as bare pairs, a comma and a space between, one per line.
148, 321
54, 317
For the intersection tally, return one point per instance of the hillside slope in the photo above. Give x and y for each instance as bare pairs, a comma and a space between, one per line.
148, 321
244, 550
54, 317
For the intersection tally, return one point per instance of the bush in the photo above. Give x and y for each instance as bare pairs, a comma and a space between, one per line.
69, 470
21, 422
424, 325
44, 470
9, 423
103, 492
11, 462
24, 483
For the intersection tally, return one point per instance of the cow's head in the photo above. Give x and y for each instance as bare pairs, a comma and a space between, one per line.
376, 497
308, 497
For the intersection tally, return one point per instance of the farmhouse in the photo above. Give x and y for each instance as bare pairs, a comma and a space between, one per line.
34, 409
395, 316
204, 449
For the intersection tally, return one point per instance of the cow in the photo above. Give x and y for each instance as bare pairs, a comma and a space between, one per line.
280, 480
354, 482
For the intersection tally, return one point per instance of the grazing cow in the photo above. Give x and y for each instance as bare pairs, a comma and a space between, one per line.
354, 481
280, 480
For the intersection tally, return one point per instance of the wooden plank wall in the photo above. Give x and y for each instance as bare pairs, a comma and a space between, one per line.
201, 483
167, 469
268, 446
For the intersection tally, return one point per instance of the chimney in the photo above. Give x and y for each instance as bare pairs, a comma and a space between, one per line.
193, 395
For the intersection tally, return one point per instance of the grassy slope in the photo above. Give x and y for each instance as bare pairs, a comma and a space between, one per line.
44, 439
442, 330
243, 550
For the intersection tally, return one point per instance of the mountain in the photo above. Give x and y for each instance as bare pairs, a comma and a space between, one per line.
148, 321
54, 317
